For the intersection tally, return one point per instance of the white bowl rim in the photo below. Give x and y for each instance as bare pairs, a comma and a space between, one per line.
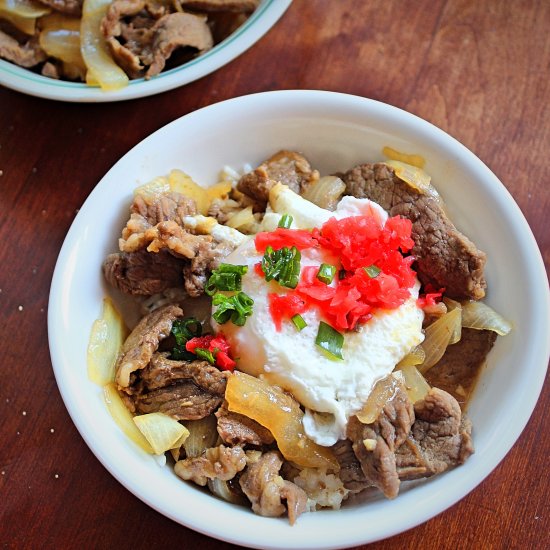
418, 514
259, 23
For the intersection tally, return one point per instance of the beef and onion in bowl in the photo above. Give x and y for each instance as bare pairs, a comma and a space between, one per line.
109, 42
304, 338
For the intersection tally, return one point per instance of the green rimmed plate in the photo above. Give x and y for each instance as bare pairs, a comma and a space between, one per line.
27, 82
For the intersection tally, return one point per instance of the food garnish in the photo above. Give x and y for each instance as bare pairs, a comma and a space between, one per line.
236, 308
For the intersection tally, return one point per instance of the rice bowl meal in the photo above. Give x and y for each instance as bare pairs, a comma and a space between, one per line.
305, 386
304, 335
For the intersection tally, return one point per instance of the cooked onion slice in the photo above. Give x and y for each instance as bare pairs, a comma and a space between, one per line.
180, 182
438, 336
326, 192
123, 417
221, 489
415, 357
202, 435
281, 415
161, 431
102, 69
241, 218
24, 8
482, 317
415, 383
383, 391
416, 178
106, 338
415, 160
60, 38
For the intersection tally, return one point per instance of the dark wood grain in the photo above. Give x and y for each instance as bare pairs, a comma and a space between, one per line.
479, 70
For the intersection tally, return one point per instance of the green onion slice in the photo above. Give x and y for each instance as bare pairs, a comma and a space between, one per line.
183, 330
326, 273
236, 308
205, 354
282, 265
372, 271
226, 277
299, 322
330, 341
286, 221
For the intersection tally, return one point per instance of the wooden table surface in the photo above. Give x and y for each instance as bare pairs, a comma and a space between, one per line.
478, 70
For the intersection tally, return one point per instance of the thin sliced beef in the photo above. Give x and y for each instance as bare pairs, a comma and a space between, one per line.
168, 206
142, 35
375, 444
158, 253
404, 444
181, 389
217, 463
266, 489
25, 54
70, 7
237, 429
287, 167
178, 30
143, 273
444, 256
351, 474
457, 371
247, 6
440, 438
146, 213
208, 257
143, 341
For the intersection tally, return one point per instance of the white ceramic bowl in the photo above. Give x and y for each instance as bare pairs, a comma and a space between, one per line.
28, 82
335, 131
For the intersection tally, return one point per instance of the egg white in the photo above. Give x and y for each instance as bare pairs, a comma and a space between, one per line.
330, 390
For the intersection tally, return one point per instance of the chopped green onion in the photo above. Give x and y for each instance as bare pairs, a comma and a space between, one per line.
236, 308
330, 341
326, 273
286, 221
282, 265
226, 277
299, 322
205, 354
183, 330
372, 271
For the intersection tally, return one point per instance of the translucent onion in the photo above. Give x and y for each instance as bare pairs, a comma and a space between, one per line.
281, 415
180, 182
451, 305
416, 178
123, 417
415, 357
383, 391
102, 69
326, 192
60, 38
438, 337
415, 160
219, 190
480, 316
24, 24
221, 489
241, 218
202, 435
26, 9
415, 383
152, 189
106, 338
161, 431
